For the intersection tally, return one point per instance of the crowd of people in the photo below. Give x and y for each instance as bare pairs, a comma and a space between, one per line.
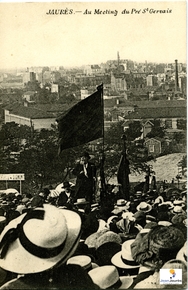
67, 241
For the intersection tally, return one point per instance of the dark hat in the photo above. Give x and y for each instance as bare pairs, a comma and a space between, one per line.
106, 251
85, 154
166, 241
140, 215
66, 184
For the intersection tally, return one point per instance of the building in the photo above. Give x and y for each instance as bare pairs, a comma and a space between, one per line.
154, 146
168, 116
29, 116
54, 88
29, 77
118, 82
151, 80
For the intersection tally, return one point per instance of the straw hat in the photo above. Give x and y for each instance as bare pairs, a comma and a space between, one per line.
178, 209
124, 259
91, 240
2, 220
108, 237
120, 206
81, 201
82, 260
182, 254
107, 277
38, 240
144, 206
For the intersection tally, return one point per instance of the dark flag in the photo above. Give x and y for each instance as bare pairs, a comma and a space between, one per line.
123, 173
123, 176
83, 122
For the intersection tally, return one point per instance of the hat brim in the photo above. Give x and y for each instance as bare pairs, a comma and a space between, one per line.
149, 209
119, 209
126, 282
117, 261
18, 260
180, 255
81, 203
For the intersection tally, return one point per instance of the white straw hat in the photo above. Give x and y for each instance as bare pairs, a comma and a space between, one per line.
107, 277
144, 206
39, 240
82, 260
124, 259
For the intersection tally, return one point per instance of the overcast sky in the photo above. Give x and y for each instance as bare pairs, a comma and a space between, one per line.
31, 37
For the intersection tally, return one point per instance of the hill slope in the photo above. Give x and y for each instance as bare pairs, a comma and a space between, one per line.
165, 167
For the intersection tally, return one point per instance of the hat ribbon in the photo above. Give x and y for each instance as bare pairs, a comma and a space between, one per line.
116, 285
128, 262
12, 234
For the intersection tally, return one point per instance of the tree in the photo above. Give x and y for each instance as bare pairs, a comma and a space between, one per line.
156, 131
182, 124
114, 147
134, 131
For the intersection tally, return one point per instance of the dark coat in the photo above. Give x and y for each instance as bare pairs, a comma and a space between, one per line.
85, 185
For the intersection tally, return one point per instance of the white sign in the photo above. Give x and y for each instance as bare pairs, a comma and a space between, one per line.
171, 276
12, 176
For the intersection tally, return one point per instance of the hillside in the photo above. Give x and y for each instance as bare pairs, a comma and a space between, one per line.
165, 167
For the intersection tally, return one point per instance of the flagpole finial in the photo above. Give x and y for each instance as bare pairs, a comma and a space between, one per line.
100, 87
123, 137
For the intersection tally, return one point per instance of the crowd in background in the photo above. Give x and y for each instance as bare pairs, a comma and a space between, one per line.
57, 241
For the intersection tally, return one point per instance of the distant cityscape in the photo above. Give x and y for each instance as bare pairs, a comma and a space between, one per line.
35, 96
150, 96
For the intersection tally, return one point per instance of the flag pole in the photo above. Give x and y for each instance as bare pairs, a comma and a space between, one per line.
102, 158
123, 172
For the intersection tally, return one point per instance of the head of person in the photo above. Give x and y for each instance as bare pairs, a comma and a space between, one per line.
84, 157
39, 240
165, 242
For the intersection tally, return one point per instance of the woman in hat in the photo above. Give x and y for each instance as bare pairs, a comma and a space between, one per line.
85, 172
36, 244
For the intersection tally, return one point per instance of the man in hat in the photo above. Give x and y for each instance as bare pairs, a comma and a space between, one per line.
85, 172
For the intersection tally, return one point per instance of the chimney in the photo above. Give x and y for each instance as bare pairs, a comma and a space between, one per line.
176, 76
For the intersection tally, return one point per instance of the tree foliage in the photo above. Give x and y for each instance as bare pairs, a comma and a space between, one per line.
157, 130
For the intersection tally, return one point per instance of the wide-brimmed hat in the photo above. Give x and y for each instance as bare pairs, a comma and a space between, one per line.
144, 206
150, 218
182, 254
85, 154
121, 205
40, 239
107, 237
178, 202
82, 260
124, 259
81, 201
3, 220
91, 240
66, 184
177, 209
164, 223
107, 277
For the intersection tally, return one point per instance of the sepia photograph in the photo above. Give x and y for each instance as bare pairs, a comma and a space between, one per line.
93, 145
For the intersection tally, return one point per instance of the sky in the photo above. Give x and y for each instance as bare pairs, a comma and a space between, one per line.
31, 36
